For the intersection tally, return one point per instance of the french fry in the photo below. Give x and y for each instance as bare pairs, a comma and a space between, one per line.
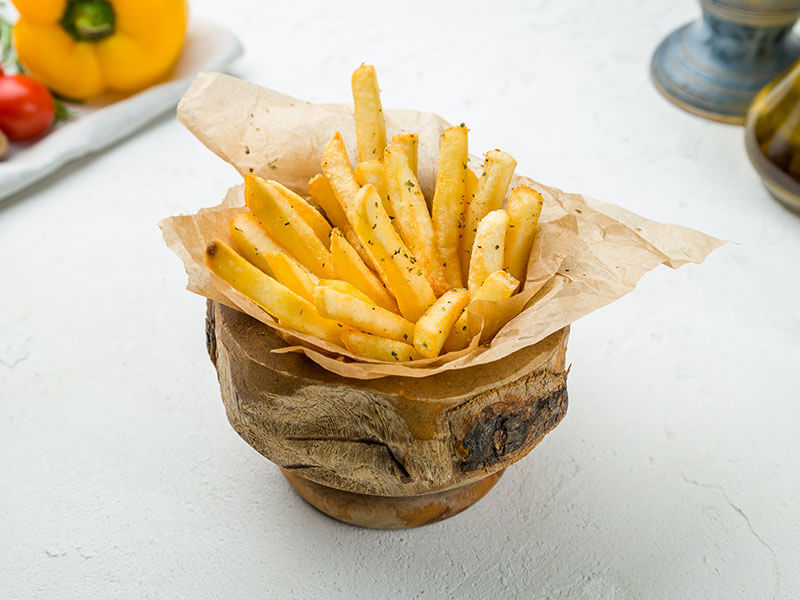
489, 248
498, 168
275, 213
376, 347
471, 187
409, 142
370, 126
448, 201
364, 315
497, 286
279, 301
348, 266
336, 167
524, 208
255, 245
293, 275
374, 172
412, 218
345, 288
433, 327
397, 266
320, 190
252, 241
308, 213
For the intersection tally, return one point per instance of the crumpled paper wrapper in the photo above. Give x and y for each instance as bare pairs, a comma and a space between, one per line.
586, 253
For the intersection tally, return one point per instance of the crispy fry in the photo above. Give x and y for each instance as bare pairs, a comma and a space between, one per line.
345, 288
293, 275
279, 301
336, 167
524, 208
497, 286
498, 168
434, 326
471, 187
285, 225
362, 314
413, 220
320, 190
409, 142
397, 267
448, 201
348, 266
370, 126
376, 347
488, 249
374, 172
252, 241
308, 213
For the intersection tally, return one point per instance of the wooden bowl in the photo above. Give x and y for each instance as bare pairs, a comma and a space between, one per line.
386, 453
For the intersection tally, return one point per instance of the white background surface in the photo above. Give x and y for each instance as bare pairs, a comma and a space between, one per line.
675, 474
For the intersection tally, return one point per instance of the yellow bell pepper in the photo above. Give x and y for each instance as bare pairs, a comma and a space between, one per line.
81, 48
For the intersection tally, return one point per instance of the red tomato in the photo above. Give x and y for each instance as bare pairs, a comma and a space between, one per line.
26, 107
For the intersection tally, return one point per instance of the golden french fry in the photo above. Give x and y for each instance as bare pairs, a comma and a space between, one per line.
497, 286
412, 218
524, 208
293, 275
489, 248
279, 301
364, 315
308, 213
345, 288
320, 190
409, 142
336, 167
252, 241
275, 213
433, 327
397, 267
498, 168
376, 347
374, 172
471, 188
348, 266
448, 201
370, 126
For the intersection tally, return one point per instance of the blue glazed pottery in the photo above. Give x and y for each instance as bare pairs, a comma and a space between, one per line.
714, 67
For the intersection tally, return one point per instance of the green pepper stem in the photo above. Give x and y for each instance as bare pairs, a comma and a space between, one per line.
88, 20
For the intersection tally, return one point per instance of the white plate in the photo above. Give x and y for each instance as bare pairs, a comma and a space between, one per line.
105, 121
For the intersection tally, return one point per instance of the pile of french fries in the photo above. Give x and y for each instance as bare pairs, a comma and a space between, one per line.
385, 272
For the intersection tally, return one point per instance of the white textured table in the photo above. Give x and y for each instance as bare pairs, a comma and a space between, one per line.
676, 473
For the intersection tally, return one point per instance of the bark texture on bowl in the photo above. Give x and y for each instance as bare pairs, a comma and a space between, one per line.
386, 437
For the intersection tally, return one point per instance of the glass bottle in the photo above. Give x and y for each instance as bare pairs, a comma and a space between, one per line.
772, 136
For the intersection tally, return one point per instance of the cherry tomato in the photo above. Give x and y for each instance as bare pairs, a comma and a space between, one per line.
26, 107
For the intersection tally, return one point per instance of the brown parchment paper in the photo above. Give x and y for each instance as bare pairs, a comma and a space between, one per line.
586, 253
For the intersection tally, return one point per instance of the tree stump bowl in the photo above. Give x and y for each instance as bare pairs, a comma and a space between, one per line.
386, 453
